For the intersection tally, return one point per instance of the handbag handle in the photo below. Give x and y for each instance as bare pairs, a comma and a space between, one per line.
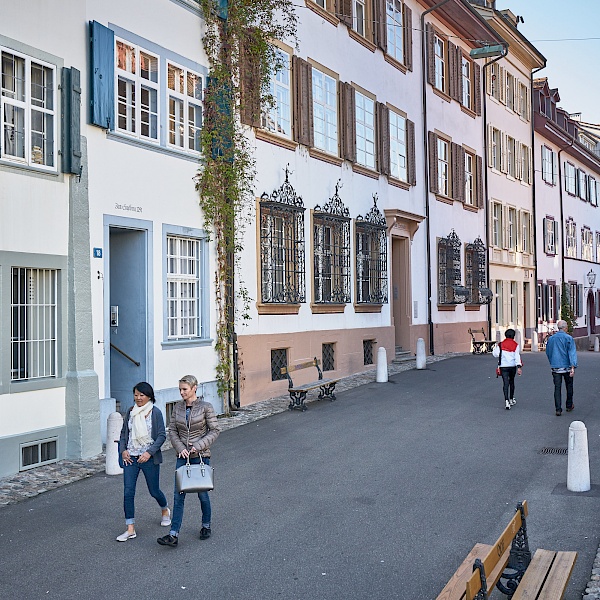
187, 462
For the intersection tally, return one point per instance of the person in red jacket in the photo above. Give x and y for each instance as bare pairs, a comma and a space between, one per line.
510, 364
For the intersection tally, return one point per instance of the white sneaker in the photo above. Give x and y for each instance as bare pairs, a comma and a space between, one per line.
126, 536
507, 402
165, 521
513, 401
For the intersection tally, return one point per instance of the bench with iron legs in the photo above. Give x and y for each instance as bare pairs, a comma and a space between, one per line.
298, 392
481, 346
509, 566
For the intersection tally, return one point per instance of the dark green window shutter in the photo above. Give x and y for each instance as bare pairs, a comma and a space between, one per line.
102, 103
71, 120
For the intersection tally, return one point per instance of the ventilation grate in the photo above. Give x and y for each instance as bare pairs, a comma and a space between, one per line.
554, 451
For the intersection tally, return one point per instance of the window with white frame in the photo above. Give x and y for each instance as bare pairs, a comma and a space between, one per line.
395, 35
510, 92
365, 131
587, 244
551, 301
512, 228
511, 156
443, 153
582, 184
524, 102
525, 232
496, 81
598, 246
439, 46
469, 179
497, 224
496, 148
514, 302
28, 108
137, 91
34, 323
525, 164
571, 238
548, 165
466, 82
499, 303
184, 301
185, 108
325, 118
570, 179
592, 189
359, 16
277, 117
398, 155
550, 235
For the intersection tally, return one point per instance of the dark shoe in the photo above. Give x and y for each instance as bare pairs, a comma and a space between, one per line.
205, 533
569, 409
558, 413
168, 540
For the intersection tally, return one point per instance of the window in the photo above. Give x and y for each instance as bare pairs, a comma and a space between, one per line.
466, 82
552, 304
525, 232
449, 271
469, 179
511, 156
28, 107
512, 229
185, 108
475, 273
137, 91
570, 179
359, 16
395, 31
524, 108
525, 163
550, 235
398, 153
443, 164
496, 149
495, 80
571, 238
183, 288
278, 362
499, 303
38, 453
440, 63
539, 302
581, 185
548, 165
587, 244
497, 225
365, 131
325, 119
592, 191
598, 246
278, 117
34, 326
368, 346
510, 92
514, 304
328, 357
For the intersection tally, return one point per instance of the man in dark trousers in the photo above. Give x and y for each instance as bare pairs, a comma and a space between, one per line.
561, 352
510, 364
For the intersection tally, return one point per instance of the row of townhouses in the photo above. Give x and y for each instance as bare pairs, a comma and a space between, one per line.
405, 189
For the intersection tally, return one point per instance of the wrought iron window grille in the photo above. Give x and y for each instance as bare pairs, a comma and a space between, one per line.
450, 288
476, 274
328, 357
371, 257
368, 351
278, 361
282, 245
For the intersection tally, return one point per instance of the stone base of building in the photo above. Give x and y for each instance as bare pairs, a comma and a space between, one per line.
455, 337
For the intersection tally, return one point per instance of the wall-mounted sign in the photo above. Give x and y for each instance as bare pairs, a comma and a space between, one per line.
97, 253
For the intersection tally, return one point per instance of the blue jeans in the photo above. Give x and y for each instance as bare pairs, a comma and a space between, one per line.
558, 379
130, 475
179, 500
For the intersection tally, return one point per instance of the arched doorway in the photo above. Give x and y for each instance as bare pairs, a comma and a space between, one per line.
591, 313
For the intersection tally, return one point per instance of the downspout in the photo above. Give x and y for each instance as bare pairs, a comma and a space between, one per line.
562, 218
426, 166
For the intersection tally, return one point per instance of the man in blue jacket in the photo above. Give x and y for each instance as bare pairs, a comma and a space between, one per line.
561, 352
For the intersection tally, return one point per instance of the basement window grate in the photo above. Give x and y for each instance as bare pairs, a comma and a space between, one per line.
554, 451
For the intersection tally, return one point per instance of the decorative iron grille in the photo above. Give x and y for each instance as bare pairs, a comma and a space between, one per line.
278, 361
331, 242
328, 357
371, 257
475, 274
368, 351
282, 245
450, 290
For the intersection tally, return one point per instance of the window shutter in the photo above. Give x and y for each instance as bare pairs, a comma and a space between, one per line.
490, 144
458, 172
503, 153
459, 80
102, 101
505, 227
488, 76
410, 151
379, 24
383, 138
477, 85
479, 181
555, 227
452, 80
433, 166
529, 164
544, 225
408, 35
502, 84
546, 300
557, 303
343, 11
348, 121
303, 104
429, 32
71, 120
580, 300
249, 82
519, 161
566, 176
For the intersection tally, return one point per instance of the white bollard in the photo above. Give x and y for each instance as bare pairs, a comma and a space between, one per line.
382, 368
578, 470
113, 433
534, 342
596, 344
421, 357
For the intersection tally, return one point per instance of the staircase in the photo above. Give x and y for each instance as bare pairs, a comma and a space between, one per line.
402, 355
527, 345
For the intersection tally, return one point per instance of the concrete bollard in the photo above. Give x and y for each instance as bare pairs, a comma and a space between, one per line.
382, 368
421, 357
113, 433
596, 344
578, 470
534, 342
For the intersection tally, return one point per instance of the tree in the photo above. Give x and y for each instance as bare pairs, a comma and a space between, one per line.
566, 311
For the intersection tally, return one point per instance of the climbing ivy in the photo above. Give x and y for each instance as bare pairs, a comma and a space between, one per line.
237, 39
566, 312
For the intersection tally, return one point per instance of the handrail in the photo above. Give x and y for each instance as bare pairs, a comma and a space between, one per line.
135, 362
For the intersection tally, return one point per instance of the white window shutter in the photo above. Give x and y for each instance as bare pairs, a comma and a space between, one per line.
554, 168
490, 136
504, 226
503, 153
545, 227
502, 85
555, 226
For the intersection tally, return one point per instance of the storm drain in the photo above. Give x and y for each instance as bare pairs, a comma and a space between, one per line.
554, 451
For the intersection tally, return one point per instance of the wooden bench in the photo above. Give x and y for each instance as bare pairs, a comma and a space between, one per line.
508, 565
481, 346
298, 393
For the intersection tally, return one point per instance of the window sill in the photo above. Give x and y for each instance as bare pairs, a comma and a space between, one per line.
468, 111
395, 63
186, 343
398, 183
327, 309
268, 136
325, 157
367, 308
322, 12
367, 171
277, 309
441, 94
118, 137
446, 307
444, 199
362, 40
470, 207
22, 166
473, 307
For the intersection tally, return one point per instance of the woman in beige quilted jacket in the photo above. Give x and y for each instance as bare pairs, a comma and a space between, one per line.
197, 417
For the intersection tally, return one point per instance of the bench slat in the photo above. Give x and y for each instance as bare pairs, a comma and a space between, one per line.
304, 365
535, 575
455, 588
557, 581
312, 386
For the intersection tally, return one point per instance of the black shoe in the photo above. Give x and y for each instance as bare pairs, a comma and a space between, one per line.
569, 409
205, 533
558, 413
168, 540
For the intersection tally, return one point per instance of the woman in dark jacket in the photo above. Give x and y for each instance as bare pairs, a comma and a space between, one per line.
142, 436
192, 430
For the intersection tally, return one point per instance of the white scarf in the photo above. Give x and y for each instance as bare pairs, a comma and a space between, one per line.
139, 429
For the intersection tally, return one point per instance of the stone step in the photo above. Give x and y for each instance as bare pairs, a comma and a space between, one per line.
402, 356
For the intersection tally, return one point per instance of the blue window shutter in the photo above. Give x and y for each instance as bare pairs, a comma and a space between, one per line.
71, 120
103, 80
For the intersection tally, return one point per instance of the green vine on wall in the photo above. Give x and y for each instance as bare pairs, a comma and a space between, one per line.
566, 311
237, 40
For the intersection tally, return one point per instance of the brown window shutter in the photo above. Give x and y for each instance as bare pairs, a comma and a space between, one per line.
249, 83
383, 138
477, 86
458, 172
343, 11
479, 181
430, 35
348, 122
379, 24
408, 33
303, 109
459, 79
433, 166
452, 82
410, 152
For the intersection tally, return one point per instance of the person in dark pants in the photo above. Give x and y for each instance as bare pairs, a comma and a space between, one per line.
562, 355
510, 364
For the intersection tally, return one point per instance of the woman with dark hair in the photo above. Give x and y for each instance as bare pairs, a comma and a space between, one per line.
142, 436
508, 354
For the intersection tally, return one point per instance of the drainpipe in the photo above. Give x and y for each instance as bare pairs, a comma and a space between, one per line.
426, 166
562, 217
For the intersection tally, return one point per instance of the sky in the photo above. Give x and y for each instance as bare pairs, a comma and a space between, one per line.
573, 64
